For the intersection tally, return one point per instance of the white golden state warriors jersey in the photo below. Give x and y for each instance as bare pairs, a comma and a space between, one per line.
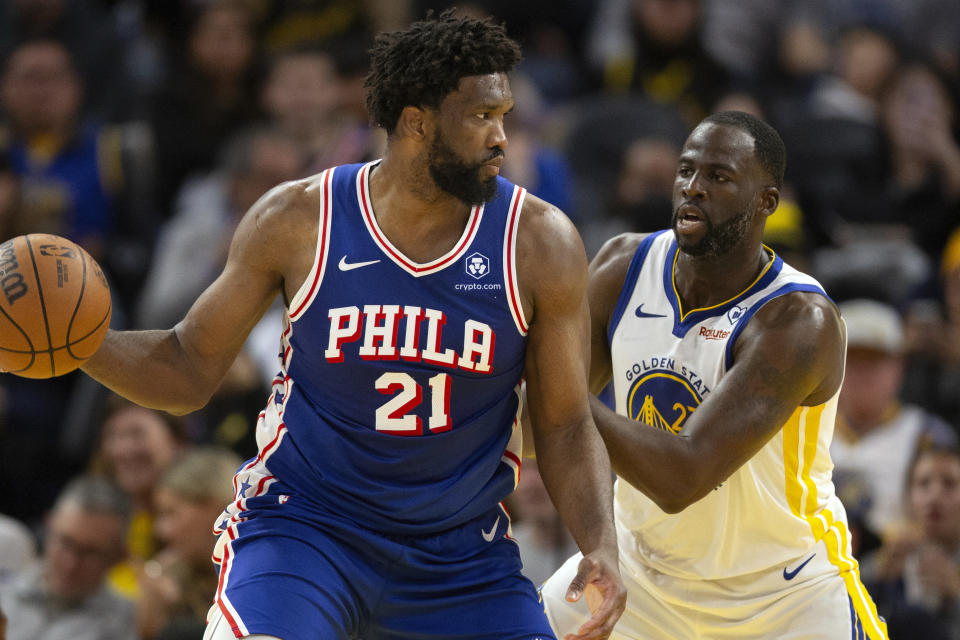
666, 361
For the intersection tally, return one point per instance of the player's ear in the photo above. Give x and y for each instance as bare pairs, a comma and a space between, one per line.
769, 200
412, 123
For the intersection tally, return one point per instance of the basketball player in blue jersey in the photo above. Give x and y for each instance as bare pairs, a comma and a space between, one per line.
420, 290
731, 361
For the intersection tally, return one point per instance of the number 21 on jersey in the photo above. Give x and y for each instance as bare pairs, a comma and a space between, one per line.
395, 416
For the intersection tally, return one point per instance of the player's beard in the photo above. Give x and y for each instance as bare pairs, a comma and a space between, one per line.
719, 239
457, 177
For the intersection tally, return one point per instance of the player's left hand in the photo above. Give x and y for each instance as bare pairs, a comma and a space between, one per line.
598, 579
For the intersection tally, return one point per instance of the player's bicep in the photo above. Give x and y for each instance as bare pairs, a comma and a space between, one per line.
556, 371
790, 355
558, 342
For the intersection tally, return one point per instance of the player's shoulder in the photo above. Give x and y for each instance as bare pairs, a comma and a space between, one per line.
542, 223
287, 208
802, 331
550, 258
282, 224
609, 267
618, 251
810, 311
548, 238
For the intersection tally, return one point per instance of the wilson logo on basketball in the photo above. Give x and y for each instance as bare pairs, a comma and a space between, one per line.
713, 334
11, 280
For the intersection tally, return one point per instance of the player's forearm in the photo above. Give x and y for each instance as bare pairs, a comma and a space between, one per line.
576, 471
152, 369
661, 465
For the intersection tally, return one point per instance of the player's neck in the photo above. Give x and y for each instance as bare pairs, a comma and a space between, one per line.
705, 281
420, 219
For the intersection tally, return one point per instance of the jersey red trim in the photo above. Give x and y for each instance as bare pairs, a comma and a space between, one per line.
322, 242
510, 266
414, 268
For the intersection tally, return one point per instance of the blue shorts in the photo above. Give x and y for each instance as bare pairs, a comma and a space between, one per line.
302, 574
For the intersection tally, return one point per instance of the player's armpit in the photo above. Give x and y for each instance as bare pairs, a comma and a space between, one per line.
606, 276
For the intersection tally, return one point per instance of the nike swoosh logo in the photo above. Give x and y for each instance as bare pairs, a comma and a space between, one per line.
790, 575
643, 314
488, 535
347, 266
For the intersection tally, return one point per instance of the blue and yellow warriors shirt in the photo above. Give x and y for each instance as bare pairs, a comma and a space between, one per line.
666, 361
397, 402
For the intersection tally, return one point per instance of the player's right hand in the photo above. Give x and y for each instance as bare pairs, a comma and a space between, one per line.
598, 579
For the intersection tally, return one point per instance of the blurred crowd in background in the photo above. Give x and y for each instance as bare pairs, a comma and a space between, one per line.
143, 129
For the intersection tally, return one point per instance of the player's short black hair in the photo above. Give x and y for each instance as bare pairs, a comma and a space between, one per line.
768, 146
423, 64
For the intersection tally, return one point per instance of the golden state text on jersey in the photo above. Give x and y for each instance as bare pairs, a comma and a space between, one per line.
663, 398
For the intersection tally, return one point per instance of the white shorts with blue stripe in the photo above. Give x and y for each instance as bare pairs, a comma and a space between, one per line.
801, 601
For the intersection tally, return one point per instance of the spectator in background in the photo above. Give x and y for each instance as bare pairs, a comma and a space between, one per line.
209, 94
66, 595
302, 96
41, 95
934, 364
768, 44
64, 175
193, 245
833, 129
642, 200
137, 445
922, 183
877, 436
352, 62
178, 580
655, 47
90, 36
18, 548
919, 568
935, 26
866, 57
79, 178
905, 170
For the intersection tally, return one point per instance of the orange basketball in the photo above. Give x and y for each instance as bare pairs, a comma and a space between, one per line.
54, 306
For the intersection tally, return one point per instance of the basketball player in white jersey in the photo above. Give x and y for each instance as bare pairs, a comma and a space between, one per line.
731, 361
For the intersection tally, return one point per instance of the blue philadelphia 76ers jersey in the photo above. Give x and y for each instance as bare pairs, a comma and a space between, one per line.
398, 398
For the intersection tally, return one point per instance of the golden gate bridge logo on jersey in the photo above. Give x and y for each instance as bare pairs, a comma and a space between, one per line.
662, 399
477, 265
